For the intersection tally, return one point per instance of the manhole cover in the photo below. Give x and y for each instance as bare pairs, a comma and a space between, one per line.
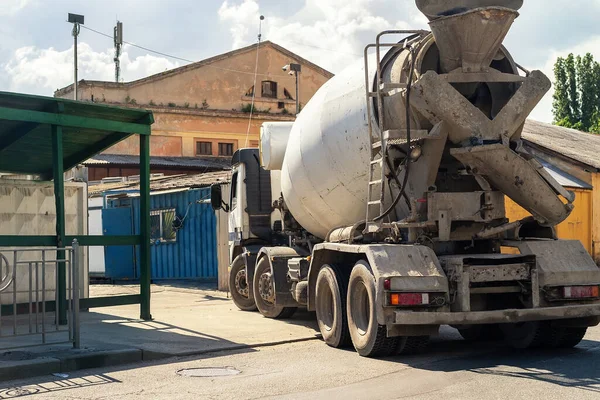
208, 372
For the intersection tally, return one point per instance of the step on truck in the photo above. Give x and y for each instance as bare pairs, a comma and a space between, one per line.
381, 207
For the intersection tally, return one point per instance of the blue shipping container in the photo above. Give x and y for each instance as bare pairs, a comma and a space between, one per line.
189, 253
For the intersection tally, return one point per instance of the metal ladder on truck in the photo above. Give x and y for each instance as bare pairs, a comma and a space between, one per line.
381, 140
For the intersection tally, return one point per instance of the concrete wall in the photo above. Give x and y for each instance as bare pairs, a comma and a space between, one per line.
27, 208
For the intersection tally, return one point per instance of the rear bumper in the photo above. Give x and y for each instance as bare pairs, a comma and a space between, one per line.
494, 317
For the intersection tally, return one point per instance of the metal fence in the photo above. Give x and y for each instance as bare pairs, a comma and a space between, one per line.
29, 297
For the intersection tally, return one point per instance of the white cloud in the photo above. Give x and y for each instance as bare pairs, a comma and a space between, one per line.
11, 7
41, 71
331, 33
239, 16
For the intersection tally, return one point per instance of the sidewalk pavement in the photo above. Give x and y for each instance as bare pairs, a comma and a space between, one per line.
186, 321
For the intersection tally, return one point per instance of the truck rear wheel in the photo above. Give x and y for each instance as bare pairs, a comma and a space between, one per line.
264, 293
571, 337
330, 305
241, 289
525, 335
480, 333
412, 345
368, 337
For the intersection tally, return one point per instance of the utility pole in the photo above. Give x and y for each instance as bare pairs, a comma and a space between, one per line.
76, 20
118, 36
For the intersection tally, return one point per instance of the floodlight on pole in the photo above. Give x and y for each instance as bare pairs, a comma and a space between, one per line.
76, 20
295, 70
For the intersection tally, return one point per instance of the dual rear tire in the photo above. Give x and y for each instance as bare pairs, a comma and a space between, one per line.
542, 334
345, 305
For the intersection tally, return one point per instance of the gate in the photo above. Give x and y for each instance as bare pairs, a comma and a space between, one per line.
29, 314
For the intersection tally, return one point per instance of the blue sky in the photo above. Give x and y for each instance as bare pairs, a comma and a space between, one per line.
36, 43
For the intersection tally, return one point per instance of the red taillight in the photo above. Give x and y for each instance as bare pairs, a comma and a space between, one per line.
409, 299
387, 284
580, 292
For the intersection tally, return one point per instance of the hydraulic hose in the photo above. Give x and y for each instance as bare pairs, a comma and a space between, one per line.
408, 141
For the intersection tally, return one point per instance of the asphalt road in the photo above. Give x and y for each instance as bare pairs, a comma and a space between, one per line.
450, 369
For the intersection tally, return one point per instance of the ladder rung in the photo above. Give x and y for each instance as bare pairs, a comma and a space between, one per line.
388, 86
375, 162
372, 203
376, 145
376, 182
401, 134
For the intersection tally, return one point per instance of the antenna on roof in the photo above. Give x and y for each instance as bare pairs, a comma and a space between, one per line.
262, 17
118, 36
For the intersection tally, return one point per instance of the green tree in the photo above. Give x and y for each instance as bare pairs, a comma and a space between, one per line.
576, 100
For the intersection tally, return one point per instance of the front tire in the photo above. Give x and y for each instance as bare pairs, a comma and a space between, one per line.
264, 293
368, 337
241, 289
330, 305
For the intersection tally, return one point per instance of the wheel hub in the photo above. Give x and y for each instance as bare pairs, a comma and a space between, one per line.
241, 283
265, 288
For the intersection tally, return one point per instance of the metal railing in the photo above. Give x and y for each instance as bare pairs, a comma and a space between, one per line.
29, 303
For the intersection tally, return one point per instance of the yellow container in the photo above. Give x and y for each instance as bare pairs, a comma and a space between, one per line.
578, 226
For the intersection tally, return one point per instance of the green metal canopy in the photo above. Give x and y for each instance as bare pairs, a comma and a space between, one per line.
87, 128
47, 136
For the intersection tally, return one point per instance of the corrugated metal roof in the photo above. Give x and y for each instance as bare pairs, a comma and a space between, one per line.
26, 130
164, 183
565, 179
179, 162
580, 146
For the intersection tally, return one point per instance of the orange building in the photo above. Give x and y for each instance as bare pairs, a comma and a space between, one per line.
202, 110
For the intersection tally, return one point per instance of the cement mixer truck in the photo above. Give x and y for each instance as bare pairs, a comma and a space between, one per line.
382, 206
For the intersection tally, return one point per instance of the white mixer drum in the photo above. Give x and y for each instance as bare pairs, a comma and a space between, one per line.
325, 170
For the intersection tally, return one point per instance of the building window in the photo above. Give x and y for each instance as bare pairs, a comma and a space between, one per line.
161, 226
280, 105
225, 149
269, 89
203, 148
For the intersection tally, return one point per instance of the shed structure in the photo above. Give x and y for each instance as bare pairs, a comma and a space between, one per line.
185, 234
573, 159
45, 137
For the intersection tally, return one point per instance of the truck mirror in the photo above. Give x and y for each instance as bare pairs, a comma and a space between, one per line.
216, 198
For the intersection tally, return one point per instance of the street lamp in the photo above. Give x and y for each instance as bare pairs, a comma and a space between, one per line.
76, 20
295, 70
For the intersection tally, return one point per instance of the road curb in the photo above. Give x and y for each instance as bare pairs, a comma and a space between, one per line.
108, 358
28, 368
149, 355
97, 359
